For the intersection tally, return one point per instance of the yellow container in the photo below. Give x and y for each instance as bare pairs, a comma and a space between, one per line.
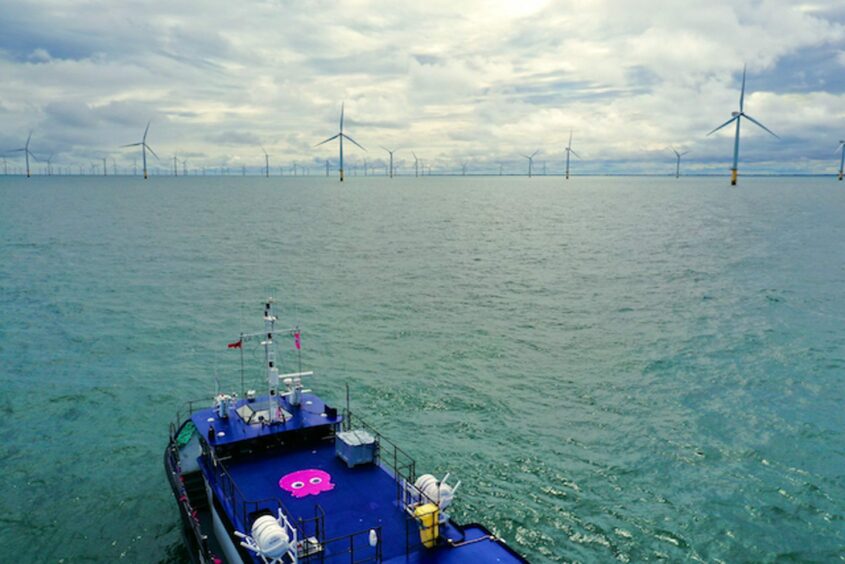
427, 515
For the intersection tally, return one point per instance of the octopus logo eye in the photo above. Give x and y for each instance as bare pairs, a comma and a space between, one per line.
306, 482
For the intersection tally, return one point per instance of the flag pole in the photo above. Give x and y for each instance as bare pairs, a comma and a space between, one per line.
243, 391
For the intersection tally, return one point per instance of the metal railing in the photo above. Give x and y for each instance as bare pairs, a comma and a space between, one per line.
189, 513
356, 545
398, 461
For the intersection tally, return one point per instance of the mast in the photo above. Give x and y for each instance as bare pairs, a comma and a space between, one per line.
270, 361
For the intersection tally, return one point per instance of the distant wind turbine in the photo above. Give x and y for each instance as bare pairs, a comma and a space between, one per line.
464, 166
266, 162
340, 135
736, 116
678, 163
391, 158
184, 167
105, 167
568, 151
50, 166
27, 153
842, 158
416, 164
144, 148
531, 161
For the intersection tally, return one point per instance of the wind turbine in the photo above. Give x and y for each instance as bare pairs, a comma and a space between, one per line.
736, 116
416, 164
464, 166
144, 148
391, 158
678, 163
531, 161
842, 158
184, 167
27, 153
105, 167
340, 135
569, 150
266, 162
49, 165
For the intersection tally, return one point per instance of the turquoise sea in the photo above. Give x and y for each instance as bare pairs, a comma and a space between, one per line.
622, 369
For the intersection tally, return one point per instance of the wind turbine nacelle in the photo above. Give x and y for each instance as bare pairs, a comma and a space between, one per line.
734, 114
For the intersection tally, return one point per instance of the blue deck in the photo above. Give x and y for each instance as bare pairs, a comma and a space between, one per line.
363, 497
309, 415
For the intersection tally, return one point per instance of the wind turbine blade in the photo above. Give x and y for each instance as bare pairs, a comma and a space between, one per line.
674, 151
836, 150
28, 139
724, 124
570, 138
754, 121
742, 92
332, 138
534, 153
150, 149
574, 153
131, 145
684, 153
345, 136
342, 104
415, 156
144, 139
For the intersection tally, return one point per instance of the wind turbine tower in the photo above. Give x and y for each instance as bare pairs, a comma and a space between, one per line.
27, 153
678, 161
568, 151
144, 149
530, 162
340, 135
737, 117
391, 159
266, 163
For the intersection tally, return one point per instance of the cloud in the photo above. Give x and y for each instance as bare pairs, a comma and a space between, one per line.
479, 80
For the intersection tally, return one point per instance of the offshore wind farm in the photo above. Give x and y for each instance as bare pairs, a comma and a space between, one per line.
579, 266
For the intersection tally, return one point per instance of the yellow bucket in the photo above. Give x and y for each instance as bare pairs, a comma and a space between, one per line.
427, 515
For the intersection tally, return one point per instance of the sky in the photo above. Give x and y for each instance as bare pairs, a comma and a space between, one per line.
472, 82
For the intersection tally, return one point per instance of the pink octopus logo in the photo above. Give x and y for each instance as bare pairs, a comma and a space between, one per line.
306, 482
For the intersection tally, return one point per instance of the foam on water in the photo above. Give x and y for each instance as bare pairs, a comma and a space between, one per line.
616, 368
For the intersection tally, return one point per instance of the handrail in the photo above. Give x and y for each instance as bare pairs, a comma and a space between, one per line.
238, 502
402, 464
333, 548
175, 478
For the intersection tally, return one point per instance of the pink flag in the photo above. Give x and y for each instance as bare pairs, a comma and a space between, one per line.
296, 341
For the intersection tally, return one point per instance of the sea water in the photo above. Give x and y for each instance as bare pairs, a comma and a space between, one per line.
616, 368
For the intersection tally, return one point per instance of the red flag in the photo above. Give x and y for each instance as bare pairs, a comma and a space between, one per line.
236, 345
296, 341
